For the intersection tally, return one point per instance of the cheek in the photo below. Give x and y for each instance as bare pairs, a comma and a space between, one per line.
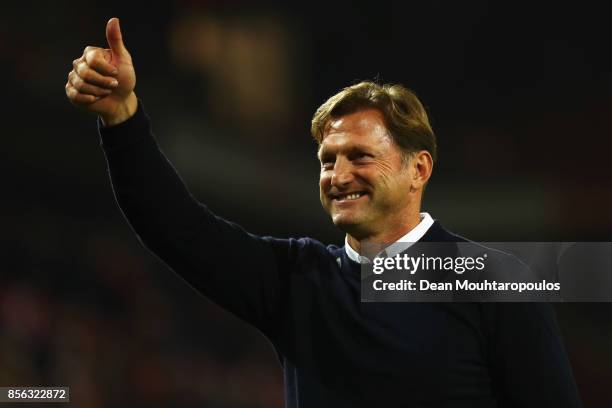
385, 172
324, 184
385, 169
373, 176
324, 179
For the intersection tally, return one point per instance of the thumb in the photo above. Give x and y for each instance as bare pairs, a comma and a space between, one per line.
114, 38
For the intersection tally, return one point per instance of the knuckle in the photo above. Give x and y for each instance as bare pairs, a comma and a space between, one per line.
86, 76
78, 68
91, 56
78, 83
83, 71
97, 53
73, 96
94, 62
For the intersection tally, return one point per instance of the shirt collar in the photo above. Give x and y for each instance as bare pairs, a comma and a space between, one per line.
412, 236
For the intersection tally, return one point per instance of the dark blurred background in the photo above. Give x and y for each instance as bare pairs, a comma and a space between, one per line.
519, 95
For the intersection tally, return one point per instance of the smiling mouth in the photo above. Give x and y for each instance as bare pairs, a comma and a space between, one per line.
348, 197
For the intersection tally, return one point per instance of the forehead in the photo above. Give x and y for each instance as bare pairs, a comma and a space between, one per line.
365, 128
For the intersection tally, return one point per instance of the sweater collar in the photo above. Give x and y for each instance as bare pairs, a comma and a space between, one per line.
411, 237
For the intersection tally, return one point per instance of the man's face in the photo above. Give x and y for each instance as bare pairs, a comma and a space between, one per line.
364, 184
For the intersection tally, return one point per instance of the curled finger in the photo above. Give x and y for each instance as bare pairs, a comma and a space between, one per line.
88, 89
78, 98
92, 77
98, 59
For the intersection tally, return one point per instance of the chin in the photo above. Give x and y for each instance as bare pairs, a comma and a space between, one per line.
341, 221
346, 223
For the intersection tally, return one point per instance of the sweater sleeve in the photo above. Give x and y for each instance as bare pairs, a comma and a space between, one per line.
528, 360
235, 269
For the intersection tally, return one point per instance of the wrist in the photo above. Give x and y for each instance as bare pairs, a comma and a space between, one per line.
125, 111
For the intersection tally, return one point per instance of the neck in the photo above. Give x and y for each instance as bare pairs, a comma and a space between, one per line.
386, 237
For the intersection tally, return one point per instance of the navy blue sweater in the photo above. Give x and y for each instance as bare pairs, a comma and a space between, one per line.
305, 297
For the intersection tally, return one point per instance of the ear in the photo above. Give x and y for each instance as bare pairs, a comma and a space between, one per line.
421, 166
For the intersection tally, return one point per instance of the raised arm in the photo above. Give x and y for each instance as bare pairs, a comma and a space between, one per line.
238, 270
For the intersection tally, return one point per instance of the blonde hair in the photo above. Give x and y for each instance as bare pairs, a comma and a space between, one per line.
405, 116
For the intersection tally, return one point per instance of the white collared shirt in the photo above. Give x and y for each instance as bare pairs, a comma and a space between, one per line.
411, 237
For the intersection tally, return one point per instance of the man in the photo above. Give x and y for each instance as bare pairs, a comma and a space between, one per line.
377, 151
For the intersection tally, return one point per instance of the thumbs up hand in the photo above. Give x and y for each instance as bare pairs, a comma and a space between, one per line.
102, 80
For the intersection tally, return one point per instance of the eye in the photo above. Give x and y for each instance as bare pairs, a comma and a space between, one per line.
327, 165
361, 157
327, 162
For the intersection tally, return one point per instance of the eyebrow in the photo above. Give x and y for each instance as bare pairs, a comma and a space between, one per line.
357, 148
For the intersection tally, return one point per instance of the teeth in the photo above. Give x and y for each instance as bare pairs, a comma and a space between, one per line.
352, 196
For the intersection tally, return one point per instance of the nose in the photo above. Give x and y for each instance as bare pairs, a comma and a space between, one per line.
343, 173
